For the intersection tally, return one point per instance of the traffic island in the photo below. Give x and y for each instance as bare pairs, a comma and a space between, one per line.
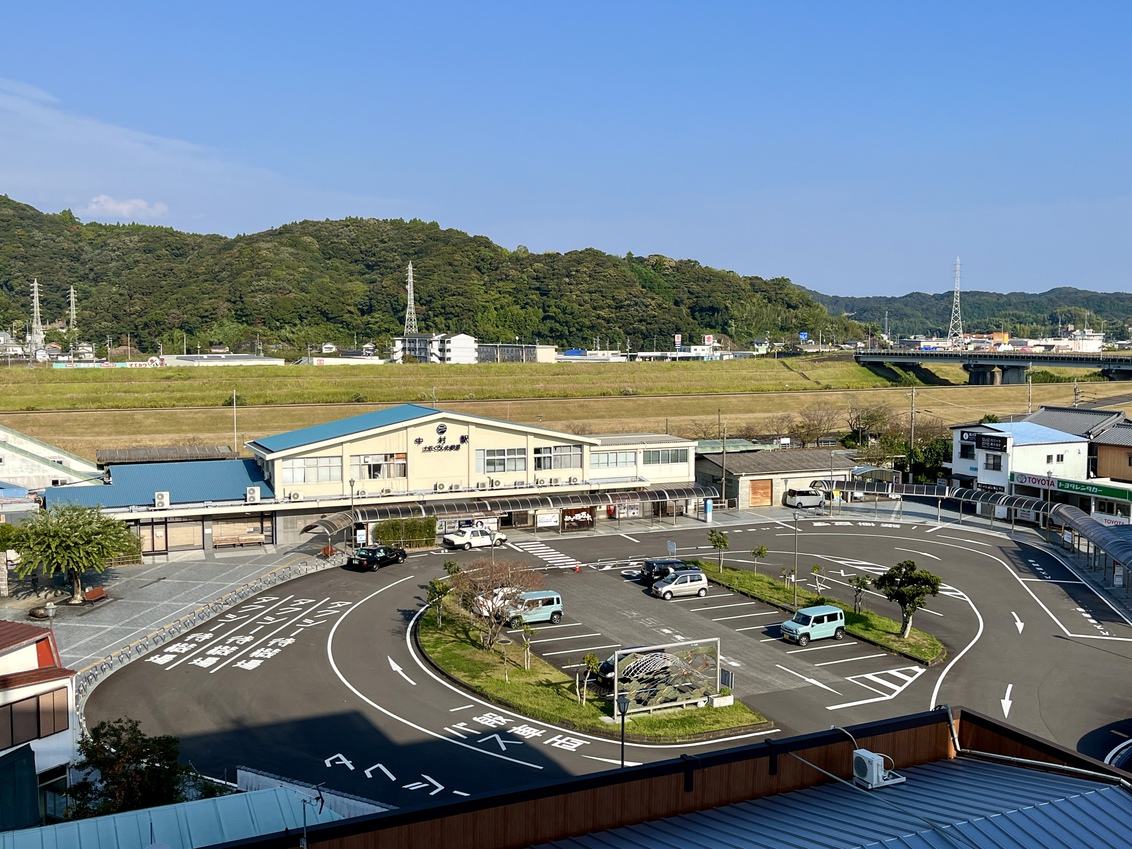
512, 678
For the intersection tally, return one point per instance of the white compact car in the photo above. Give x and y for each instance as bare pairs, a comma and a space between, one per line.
468, 538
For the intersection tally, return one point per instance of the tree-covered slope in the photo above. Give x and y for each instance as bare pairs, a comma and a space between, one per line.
317, 281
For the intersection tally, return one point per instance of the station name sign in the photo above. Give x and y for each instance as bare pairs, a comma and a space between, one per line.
984, 441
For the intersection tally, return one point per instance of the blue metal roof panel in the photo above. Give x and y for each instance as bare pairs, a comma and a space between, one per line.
343, 427
189, 482
1028, 433
940, 806
190, 825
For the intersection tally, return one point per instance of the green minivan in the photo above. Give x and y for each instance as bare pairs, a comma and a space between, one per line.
815, 623
537, 606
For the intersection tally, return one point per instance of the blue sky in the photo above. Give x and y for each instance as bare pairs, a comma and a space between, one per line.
855, 147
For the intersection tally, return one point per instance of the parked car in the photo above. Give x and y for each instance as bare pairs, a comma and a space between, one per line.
492, 603
657, 568
536, 606
815, 623
683, 583
373, 557
800, 498
468, 538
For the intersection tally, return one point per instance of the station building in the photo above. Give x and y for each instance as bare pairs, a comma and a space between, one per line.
403, 462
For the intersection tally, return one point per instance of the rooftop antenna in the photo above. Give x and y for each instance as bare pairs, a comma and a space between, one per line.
955, 330
410, 310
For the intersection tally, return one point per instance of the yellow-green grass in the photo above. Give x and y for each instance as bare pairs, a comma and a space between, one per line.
182, 406
546, 693
866, 625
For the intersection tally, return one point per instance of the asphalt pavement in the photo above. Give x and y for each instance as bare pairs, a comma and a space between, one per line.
164, 589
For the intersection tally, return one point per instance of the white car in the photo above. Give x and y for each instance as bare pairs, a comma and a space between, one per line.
468, 538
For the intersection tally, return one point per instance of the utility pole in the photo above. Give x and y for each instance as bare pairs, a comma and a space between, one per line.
912, 430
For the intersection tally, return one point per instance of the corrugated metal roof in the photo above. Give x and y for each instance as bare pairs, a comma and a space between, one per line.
191, 482
164, 454
1029, 433
190, 825
942, 805
1088, 423
343, 427
813, 460
605, 439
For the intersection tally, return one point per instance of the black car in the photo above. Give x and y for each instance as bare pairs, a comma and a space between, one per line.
659, 568
372, 558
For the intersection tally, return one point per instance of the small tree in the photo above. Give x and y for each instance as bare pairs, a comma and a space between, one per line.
125, 770
909, 587
592, 664
72, 539
437, 590
491, 588
758, 553
816, 571
525, 642
859, 583
720, 543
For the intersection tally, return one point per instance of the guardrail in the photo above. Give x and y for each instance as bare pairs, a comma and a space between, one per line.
89, 677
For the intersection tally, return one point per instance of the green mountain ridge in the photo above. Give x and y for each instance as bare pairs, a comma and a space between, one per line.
315, 281
1021, 313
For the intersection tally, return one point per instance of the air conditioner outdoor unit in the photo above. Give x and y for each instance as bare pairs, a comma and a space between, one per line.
495, 482
294, 496
252, 495
555, 481
454, 487
540, 482
869, 771
481, 485
361, 493
387, 492
520, 483
438, 487
573, 481
161, 500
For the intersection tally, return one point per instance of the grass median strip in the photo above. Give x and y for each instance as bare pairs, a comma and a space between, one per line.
866, 624
546, 693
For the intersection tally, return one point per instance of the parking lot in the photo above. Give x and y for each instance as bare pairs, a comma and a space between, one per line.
609, 609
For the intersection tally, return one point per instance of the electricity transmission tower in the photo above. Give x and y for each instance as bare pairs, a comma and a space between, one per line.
410, 310
955, 330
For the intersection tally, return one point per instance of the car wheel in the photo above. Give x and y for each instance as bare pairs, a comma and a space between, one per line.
803, 640
513, 623
667, 595
400, 558
702, 592
467, 546
799, 506
555, 618
496, 542
839, 634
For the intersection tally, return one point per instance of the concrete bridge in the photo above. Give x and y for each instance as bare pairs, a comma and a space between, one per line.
990, 368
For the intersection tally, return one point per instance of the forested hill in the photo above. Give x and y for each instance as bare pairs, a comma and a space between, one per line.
1022, 313
332, 281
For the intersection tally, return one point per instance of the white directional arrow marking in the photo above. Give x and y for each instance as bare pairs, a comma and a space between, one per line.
388, 774
400, 671
339, 759
1019, 624
1006, 703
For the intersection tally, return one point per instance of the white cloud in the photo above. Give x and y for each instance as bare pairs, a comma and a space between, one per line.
135, 209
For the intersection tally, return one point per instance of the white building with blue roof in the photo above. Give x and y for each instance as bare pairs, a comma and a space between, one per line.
404, 461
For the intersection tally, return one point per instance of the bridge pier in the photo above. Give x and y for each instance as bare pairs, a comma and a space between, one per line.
982, 375
1014, 375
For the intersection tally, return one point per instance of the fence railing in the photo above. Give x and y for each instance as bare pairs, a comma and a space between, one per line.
89, 677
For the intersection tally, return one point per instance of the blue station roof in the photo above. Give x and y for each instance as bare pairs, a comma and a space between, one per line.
190, 482
342, 428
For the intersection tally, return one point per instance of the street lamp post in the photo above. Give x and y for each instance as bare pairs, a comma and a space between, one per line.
622, 708
795, 576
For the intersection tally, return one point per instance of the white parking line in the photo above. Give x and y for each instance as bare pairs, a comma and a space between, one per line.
820, 648
851, 659
560, 639
722, 606
572, 651
754, 628
964, 541
1050, 581
701, 598
745, 615
630, 538
549, 627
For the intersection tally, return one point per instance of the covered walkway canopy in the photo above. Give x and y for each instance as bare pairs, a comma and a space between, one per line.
338, 522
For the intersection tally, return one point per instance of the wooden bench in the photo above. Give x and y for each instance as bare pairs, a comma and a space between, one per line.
95, 594
241, 539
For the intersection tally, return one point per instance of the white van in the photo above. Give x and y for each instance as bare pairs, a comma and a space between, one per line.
800, 498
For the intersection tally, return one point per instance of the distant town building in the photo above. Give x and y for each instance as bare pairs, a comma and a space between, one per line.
508, 352
448, 348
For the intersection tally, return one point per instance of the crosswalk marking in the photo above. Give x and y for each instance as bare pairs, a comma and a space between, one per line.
887, 684
544, 552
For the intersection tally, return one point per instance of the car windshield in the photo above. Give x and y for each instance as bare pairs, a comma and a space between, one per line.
669, 579
801, 618
366, 552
